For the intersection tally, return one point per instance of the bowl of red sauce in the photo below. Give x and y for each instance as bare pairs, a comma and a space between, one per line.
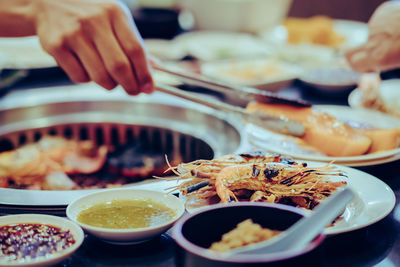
37, 240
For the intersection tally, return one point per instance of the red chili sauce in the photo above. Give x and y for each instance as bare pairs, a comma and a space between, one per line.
29, 241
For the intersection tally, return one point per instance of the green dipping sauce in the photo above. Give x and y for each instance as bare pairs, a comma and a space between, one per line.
126, 214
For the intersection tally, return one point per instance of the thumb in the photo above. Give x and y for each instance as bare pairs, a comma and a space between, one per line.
359, 59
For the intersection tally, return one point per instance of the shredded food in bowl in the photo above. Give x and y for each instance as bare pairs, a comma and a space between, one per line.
245, 233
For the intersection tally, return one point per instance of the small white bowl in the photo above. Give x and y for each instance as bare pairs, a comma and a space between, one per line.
126, 236
250, 16
52, 259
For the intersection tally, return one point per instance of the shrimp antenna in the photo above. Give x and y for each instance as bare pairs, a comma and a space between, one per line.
173, 169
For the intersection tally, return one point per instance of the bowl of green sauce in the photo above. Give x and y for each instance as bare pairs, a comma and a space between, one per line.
126, 216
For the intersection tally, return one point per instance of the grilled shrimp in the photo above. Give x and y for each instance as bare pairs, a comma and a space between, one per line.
200, 171
276, 178
201, 174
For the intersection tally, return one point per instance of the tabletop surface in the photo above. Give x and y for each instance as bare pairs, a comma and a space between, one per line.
375, 245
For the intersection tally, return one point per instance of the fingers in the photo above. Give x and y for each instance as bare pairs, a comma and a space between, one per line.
358, 59
97, 41
116, 62
92, 62
130, 42
71, 65
380, 53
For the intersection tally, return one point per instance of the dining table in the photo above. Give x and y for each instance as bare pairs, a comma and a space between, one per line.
377, 244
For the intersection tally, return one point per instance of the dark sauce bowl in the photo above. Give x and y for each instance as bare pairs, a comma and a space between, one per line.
196, 232
157, 22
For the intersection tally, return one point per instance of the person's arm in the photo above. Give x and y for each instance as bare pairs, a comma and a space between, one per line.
16, 18
90, 39
382, 50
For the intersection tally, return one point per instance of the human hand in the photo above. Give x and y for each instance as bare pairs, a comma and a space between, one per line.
94, 40
382, 50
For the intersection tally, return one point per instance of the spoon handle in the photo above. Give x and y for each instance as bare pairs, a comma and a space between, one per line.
306, 229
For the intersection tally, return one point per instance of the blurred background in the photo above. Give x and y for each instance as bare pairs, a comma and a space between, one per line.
351, 10
293, 47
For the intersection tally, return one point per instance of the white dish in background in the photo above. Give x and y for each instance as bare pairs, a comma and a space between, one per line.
284, 144
389, 92
24, 53
56, 221
126, 236
164, 49
355, 32
250, 16
308, 55
374, 200
216, 45
330, 80
261, 73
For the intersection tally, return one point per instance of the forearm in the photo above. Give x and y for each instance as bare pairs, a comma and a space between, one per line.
17, 18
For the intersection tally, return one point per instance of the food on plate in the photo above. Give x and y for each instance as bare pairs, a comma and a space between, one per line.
258, 177
245, 233
250, 74
332, 136
382, 139
255, 72
26, 241
369, 87
126, 214
57, 163
317, 30
45, 164
322, 131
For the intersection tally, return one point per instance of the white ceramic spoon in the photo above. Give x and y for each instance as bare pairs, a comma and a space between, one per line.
303, 231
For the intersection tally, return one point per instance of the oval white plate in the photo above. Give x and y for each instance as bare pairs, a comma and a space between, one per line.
389, 92
62, 223
354, 32
374, 201
282, 144
330, 79
262, 73
24, 53
217, 45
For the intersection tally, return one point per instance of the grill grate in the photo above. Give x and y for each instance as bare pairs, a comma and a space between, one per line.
157, 139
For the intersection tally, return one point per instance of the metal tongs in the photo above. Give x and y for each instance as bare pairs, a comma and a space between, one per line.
277, 124
241, 92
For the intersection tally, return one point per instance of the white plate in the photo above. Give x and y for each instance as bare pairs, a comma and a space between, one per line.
355, 33
217, 45
47, 199
164, 49
283, 144
331, 80
374, 201
309, 55
389, 91
261, 73
24, 53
